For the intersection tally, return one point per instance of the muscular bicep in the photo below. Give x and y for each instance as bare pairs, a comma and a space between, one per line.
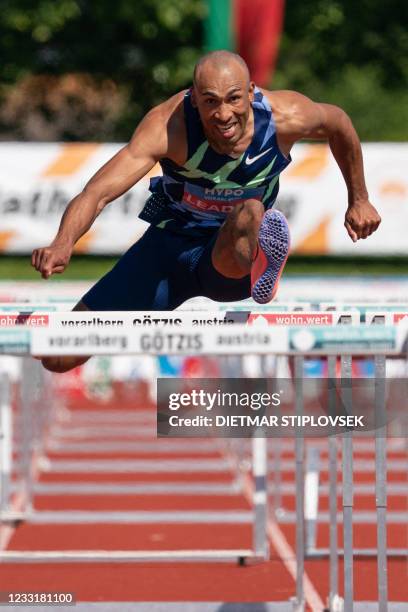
118, 175
300, 118
131, 163
319, 121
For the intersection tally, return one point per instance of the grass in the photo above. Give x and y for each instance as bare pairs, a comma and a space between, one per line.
349, 266
93, 267
80, 268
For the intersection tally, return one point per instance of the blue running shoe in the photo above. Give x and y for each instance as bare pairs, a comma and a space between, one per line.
273, 251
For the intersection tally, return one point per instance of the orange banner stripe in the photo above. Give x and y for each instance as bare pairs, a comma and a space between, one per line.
317, 242
84, 244
70, 159
5, 238
314, 162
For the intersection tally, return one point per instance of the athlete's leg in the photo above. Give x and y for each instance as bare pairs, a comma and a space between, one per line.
64, 363
223, 269
250, 242
154, 274
236, 244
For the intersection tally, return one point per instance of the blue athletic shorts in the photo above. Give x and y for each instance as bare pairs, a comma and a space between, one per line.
161, 271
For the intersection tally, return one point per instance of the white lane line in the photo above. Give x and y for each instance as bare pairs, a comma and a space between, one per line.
286, 553
288, 558
283, 548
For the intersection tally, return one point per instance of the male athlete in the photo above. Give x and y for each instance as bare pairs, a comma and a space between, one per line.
222, 145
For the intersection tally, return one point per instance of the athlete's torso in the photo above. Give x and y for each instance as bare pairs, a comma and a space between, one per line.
196, 197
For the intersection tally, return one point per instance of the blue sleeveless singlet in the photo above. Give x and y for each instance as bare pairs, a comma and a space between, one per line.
196, 198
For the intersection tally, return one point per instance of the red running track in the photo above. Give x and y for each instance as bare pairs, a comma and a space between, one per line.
176, 581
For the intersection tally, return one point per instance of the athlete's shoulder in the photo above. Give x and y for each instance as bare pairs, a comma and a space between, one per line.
294, 113
163, 127
287, 104
171, 110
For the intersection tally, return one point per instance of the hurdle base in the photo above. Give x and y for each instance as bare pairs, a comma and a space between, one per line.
297, 606
336, 605
240, 556
322, 553
95, 517
251, 560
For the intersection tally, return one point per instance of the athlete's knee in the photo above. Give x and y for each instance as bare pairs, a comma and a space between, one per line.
254, 208
244, 224
60, 365
249, 214
54, 364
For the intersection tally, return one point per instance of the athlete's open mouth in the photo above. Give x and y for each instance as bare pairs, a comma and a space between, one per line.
228, 130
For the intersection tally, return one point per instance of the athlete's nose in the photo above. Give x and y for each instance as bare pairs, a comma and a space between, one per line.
223, 113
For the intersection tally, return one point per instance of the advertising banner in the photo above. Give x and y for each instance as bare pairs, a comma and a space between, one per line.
37, 180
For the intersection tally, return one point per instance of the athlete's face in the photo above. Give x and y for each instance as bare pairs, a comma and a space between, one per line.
223, 99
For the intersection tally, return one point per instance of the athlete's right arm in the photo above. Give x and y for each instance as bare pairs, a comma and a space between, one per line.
149, 143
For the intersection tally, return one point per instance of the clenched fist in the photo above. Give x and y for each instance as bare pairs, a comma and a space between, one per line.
361, 220
51, 260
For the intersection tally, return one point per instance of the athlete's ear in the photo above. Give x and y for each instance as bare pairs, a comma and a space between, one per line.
193, 97
251, 91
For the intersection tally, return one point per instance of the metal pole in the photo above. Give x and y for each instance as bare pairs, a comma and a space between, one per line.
260, 466
311, 496
299, 455
277, 477
260, 475
5, 441
275, 442
334, 559
381, 478
26, 397
346, 395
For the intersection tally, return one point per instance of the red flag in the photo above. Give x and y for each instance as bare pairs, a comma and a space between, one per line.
258, 26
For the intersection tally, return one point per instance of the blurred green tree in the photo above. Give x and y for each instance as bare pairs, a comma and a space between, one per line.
132, 54
89, 69
354, 54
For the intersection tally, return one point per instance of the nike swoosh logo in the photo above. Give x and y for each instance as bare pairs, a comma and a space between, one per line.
162, 224
251, 160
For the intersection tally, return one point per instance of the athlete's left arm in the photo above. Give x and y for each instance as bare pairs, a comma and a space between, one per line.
299, 118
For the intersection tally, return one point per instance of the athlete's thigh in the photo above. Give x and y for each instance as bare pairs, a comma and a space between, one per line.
138, 281
154, 274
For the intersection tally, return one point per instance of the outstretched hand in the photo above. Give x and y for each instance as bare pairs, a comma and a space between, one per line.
51, 260
361, 220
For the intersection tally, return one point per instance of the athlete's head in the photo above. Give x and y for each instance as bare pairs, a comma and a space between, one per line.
222, 93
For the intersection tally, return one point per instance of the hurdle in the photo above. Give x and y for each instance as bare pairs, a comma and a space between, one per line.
259, 552
391, 315
331, 341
